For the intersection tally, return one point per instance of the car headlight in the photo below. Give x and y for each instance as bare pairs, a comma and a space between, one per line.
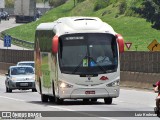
64, 85
33, 78
113, 84
13, 78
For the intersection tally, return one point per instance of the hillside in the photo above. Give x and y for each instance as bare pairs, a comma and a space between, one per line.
124, 21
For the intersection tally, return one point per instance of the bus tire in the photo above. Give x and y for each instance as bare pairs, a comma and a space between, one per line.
58, 100
51, 99
108, 101
85, 100
40, 89
94, 99
44, 98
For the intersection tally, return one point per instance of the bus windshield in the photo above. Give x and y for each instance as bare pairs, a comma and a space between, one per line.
88, 53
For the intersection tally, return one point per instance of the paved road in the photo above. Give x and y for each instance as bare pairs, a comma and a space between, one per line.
6, 25
129, 100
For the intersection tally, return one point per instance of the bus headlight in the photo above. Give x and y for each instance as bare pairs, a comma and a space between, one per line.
113, 84
65, 85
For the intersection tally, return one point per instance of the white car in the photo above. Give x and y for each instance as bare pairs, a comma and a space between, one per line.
24, 63
20, 77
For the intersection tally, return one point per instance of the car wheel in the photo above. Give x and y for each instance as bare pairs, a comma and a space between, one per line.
34, 90
7, 89
108, 100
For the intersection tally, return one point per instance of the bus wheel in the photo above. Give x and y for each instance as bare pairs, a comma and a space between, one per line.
108, 100
85, 100
58, 100
40, 89
44, 98
51, 99
94, 99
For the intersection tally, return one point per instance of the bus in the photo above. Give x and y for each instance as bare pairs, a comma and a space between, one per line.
77, 58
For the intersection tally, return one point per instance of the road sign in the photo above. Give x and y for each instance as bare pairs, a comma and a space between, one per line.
154, 46
7, 41
128, 45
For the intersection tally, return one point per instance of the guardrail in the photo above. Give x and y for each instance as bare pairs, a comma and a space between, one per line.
19, 42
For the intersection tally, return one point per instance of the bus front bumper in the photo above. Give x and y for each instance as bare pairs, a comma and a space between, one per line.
81, 93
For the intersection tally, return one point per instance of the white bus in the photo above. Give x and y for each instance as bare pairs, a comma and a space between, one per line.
77, 58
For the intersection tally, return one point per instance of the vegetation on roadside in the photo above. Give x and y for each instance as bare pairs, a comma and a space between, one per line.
120, 14
9, 3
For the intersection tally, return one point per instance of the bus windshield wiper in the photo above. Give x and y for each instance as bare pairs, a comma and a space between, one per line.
102, 68
79, 65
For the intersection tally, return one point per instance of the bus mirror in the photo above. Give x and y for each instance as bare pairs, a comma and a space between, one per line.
120, 41
55, 44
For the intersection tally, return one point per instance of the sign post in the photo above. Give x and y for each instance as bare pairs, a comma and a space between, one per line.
154, 46
128, 45
7, 41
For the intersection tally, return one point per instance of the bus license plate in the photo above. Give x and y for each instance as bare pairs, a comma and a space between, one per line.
23, 84
89, 92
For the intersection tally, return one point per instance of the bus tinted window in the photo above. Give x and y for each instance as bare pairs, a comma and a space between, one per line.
88, 53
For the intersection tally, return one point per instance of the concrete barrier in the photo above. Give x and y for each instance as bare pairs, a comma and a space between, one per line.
138, 79
4, 67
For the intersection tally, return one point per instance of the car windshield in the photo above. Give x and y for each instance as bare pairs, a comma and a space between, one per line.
88, 53
28, 64
22, 71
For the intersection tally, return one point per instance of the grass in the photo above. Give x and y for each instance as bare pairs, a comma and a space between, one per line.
133, 29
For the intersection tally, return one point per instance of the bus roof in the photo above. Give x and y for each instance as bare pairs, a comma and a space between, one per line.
67, 25
45, 26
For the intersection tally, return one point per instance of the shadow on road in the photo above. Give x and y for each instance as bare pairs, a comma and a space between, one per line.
70, 103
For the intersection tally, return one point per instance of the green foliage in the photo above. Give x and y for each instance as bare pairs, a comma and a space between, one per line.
122, 7
56, 3
79, 1
150, 10
99, 4
133, 29
39, 1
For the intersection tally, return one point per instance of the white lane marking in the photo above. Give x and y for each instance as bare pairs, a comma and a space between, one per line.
60, 108
11, 98
106, 118
81, 112
135, 103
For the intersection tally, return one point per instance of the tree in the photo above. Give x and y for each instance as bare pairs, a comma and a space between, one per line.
56, 3
151, 11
